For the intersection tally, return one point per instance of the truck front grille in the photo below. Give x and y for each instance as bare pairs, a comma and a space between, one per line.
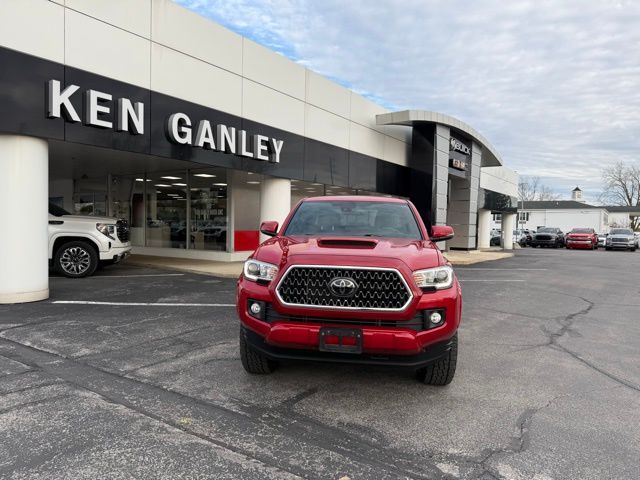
417, 322
122, 228
375, 288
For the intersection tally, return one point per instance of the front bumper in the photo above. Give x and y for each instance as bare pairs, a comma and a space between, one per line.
421, 359
116, 254
580, 244
295, 331
622, 245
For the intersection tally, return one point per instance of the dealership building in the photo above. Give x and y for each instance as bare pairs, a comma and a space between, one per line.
144, 110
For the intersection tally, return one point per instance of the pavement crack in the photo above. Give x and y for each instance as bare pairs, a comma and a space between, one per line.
566, 323
290, 402
35, 402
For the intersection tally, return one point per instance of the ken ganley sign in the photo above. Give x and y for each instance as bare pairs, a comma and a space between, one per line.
128, 116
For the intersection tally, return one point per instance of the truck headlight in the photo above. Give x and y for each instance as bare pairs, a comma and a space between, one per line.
256, 270
436, 278
106, 229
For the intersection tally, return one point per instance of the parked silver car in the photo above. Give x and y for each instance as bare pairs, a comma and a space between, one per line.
621, 238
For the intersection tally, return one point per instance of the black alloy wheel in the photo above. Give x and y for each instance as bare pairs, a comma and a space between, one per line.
76, 259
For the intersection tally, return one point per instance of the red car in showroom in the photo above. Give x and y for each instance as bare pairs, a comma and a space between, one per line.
351, 279
582, 238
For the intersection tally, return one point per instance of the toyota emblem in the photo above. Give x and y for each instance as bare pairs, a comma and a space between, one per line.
343, 287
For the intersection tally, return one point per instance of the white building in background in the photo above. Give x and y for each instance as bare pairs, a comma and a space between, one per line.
574, 213
562, 214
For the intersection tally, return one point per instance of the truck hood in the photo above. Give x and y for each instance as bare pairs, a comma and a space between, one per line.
327, 250
86, 218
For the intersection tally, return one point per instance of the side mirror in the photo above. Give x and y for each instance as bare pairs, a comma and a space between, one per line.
269, 228
440, 233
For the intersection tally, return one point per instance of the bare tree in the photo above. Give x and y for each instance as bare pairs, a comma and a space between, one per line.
547, 194
622, 188
530, 188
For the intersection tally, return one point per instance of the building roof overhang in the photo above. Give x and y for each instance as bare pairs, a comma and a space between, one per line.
490, 157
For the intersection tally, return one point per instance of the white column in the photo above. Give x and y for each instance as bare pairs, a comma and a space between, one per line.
24, 195
484, 228
508, 225
275, 201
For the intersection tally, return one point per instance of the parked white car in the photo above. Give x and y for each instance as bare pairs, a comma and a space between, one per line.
78, 243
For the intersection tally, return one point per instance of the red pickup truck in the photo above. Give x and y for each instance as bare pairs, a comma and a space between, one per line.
582, 238
351, 279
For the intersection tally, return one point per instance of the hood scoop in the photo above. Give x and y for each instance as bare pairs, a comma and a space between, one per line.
347, 242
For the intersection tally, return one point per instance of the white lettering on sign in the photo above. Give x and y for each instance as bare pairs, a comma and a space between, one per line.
58, 102
93, 108
129, 117
179, 129
458, 146
228, 139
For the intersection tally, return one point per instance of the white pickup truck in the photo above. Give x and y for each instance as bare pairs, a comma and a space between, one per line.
78, 243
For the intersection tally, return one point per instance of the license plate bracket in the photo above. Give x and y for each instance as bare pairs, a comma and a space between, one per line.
340, 340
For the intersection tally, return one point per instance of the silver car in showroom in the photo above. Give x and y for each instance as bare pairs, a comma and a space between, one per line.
621, 238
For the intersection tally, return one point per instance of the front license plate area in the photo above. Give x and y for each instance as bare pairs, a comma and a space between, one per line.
341, 340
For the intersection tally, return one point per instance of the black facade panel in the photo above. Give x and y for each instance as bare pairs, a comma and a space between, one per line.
390, 178
291, 159
362, 171
420, 193
104, 137
422, 148
324, 163
23, 80
497, 202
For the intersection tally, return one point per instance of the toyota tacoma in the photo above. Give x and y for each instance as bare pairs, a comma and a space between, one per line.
351, 279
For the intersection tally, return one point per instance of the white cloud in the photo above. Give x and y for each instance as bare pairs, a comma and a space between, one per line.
554, 85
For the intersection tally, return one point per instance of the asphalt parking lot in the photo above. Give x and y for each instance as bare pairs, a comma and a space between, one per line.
135, 373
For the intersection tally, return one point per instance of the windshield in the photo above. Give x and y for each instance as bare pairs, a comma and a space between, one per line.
581, 230
546, 230
620, 231
357, 219
57, 211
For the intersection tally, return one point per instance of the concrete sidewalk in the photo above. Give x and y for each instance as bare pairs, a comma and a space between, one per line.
233, 269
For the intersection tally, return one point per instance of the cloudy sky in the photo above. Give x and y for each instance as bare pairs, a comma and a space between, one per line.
553, 85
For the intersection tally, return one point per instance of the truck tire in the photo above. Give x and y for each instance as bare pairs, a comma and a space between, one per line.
253, 361
441, 371
76, 259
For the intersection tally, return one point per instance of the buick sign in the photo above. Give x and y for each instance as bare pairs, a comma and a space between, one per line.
343, 287
458, 146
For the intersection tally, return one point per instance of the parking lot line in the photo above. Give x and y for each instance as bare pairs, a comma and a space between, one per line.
142, 304
492, 280
504, 269
131, 276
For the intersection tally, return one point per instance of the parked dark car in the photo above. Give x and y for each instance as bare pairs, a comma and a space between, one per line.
582, 238
621, 238
548, 237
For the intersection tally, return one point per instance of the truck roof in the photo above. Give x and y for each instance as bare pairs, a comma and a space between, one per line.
355, 198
